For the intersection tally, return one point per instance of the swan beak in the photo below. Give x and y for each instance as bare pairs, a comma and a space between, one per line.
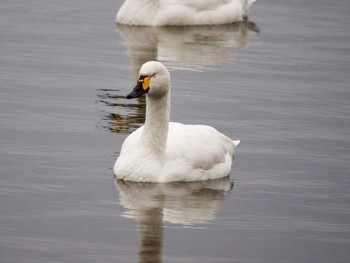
141, 88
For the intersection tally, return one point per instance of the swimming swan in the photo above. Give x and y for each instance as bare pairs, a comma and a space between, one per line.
182, 12
160, 151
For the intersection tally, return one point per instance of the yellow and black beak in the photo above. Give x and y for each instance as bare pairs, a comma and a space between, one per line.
141, 88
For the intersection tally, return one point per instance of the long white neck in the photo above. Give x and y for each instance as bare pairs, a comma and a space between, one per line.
155, 131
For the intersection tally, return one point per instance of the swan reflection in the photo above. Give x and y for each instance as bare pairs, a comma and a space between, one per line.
186, 204
186, 47
190, 48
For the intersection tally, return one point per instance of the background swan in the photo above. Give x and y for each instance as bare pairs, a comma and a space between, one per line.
182, 12
161, 151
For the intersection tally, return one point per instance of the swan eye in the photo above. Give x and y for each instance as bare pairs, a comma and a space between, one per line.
145, 80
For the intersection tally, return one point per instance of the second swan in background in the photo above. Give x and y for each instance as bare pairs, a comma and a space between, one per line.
182, 12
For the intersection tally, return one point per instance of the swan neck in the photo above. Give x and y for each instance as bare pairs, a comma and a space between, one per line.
155, 131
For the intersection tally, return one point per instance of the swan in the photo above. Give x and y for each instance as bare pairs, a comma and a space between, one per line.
182, 12
160, 151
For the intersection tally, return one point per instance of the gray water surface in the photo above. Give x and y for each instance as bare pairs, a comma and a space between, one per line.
279, 82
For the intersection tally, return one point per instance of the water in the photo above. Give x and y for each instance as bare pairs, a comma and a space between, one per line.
280, 85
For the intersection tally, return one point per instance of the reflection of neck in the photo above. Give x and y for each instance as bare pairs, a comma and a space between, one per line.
151, 231
155, 131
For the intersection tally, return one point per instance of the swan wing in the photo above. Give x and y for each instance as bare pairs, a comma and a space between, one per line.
197, 152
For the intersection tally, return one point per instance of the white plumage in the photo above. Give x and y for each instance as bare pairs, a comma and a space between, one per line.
161, 151
182, 12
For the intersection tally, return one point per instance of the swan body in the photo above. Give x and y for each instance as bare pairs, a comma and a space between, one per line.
182, 12
160, 151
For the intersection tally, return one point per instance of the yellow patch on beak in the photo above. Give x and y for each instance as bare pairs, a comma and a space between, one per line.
145, 82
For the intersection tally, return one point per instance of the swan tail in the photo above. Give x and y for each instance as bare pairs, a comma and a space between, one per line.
236, 142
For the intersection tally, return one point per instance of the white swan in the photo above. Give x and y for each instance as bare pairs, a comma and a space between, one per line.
160, 151
182, 12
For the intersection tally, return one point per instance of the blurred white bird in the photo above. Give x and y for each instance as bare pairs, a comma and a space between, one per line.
182, 12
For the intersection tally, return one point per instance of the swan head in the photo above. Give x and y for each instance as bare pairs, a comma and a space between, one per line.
154, 79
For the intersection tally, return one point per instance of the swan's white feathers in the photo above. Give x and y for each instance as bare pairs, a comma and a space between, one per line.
182, 12
194, 152
161, 151
197, 151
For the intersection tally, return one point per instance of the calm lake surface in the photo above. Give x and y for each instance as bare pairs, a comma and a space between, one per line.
279, 83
